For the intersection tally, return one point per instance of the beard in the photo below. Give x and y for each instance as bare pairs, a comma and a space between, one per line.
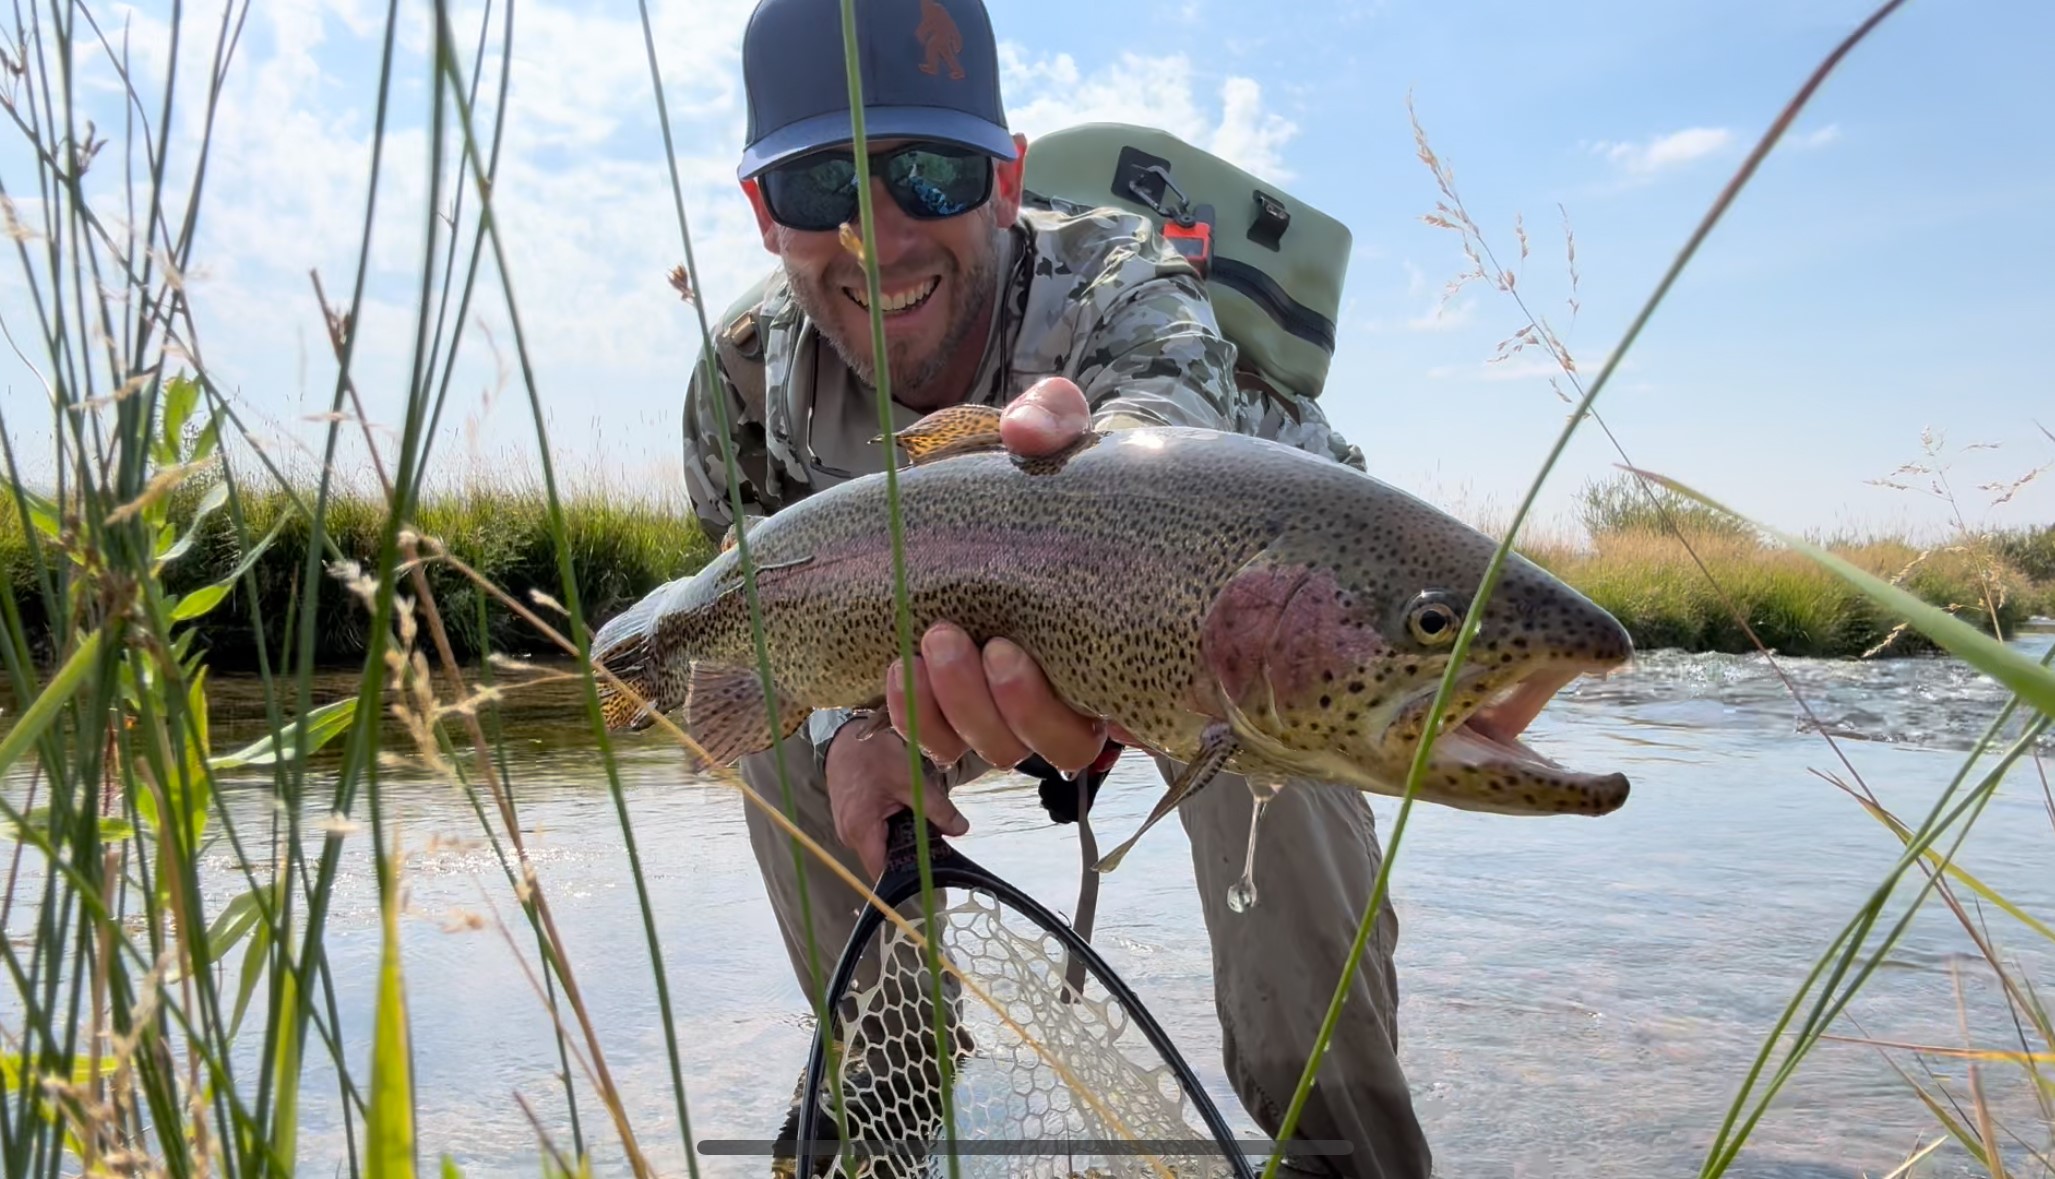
912, 369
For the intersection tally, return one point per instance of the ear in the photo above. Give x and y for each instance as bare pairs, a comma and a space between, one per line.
764, 225
1011, 175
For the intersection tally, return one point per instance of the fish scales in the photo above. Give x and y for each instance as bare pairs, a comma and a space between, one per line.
1171, 581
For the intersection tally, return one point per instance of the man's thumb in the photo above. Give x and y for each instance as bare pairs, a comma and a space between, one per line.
945, 814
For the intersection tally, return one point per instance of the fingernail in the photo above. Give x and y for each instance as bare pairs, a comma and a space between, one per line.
1002, 658
1034, 417
939, 639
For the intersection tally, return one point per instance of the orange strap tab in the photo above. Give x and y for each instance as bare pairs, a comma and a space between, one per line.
1194, 241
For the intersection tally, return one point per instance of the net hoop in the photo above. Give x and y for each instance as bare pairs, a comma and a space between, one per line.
950, 868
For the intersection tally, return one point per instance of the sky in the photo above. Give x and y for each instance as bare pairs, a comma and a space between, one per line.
1883, 280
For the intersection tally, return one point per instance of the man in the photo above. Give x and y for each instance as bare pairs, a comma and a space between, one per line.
1072, 323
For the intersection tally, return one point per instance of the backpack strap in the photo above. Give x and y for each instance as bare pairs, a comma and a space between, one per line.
739, 343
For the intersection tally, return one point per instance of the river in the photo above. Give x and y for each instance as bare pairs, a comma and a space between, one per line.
1578, 997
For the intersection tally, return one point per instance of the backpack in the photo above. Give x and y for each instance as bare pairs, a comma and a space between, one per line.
1273, 265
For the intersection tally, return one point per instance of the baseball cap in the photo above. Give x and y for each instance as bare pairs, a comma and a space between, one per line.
930, 70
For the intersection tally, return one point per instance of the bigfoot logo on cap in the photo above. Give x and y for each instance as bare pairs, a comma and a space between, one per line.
939, 35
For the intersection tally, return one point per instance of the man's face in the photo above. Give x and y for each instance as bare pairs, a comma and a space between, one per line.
937, 278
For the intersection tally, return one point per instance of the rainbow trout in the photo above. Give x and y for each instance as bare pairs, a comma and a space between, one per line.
1231, 602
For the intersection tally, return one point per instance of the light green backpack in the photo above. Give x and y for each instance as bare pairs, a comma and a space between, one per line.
1273, 264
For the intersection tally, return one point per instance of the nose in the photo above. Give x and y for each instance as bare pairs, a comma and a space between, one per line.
897, 235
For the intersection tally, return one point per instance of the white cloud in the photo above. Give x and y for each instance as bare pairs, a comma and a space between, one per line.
583, 200
1044, 94
1444, 317
1529, 365
1662, 152
1814, 139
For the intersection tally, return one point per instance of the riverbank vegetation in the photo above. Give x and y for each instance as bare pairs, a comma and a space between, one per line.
623, 543
1677, 575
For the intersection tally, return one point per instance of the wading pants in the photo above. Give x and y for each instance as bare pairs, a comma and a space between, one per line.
1274, 967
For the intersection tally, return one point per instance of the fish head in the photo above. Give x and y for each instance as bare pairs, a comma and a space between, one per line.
1331, 656
1534, 636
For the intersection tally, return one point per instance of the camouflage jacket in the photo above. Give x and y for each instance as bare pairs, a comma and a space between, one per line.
1098, 297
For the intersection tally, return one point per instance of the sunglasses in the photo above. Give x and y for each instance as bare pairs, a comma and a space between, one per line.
928, 181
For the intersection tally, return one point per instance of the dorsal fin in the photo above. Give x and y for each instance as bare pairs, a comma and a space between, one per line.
959, 429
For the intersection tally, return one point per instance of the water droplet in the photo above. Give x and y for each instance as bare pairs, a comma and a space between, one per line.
1241, 895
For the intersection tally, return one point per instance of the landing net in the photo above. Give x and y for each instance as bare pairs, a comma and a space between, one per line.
1046, 1081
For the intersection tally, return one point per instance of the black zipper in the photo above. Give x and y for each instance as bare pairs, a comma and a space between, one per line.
1295, 317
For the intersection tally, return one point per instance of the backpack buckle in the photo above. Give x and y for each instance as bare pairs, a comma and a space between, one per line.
1272, 219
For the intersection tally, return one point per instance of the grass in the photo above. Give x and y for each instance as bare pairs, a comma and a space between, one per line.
625, 542
1655, 580
149, 564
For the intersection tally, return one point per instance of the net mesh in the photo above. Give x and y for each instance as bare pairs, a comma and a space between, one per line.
1046, 1080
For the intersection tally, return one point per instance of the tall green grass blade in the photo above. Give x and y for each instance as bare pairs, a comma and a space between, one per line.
202, 601
391, 1123
300, 739
285, 1113
210, 503
53, 696
746, 561
2034, 683
1960, 874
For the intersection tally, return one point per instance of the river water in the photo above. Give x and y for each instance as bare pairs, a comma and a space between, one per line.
1578, 997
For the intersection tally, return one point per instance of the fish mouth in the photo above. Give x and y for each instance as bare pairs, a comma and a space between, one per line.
1483, 729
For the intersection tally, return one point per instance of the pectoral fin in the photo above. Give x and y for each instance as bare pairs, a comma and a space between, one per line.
725, 714
1216, 745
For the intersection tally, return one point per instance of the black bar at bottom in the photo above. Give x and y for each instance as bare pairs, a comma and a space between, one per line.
1017, 1146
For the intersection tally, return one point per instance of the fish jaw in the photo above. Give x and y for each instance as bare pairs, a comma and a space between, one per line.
1479, 761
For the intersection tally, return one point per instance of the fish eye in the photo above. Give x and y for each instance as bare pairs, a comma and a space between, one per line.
1433, 622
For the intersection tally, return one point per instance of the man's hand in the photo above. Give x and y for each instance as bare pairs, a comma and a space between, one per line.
869, 781
998, 702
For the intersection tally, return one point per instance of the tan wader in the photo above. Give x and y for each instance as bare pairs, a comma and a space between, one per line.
1274, 968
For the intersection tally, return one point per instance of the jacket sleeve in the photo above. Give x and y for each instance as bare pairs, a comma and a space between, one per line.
1155, 357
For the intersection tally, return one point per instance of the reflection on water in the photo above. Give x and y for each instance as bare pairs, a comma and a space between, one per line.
1579, 997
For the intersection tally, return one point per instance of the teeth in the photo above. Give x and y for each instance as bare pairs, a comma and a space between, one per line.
899, 301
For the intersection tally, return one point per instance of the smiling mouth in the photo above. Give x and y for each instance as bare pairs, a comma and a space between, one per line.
896, 302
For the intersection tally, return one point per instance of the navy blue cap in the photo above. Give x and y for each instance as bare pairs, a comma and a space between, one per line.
930, 70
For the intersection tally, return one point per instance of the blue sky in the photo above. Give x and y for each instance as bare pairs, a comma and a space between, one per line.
1886, 273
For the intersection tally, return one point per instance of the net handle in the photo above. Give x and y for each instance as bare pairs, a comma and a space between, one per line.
950, 868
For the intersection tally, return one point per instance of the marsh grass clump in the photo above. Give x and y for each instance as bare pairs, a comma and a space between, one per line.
1620, 506
1675, 572
623, 544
